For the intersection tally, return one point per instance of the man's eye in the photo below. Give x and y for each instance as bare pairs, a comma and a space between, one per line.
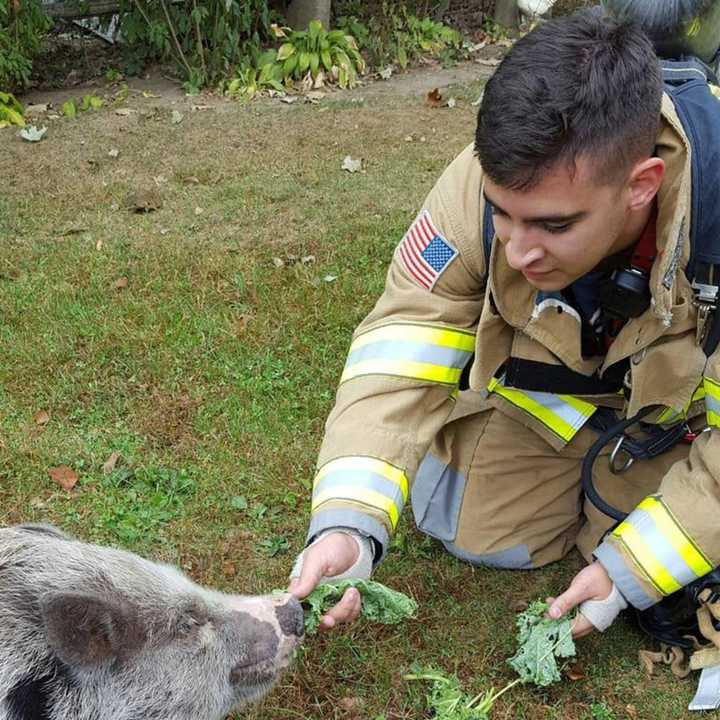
557, 229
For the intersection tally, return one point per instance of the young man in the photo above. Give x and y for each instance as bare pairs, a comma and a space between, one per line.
586, 168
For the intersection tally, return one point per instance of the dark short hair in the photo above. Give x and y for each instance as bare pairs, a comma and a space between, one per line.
582, 85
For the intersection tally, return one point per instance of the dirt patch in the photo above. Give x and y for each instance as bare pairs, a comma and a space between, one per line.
167, 421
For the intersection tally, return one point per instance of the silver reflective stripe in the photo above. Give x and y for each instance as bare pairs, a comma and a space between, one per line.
410, 351
712, 404
619, 573
663, 550
364, 479
365, 524
436, 497
566, 412
514, 558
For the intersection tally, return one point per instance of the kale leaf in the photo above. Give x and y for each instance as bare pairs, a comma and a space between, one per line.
541, 640
379, 603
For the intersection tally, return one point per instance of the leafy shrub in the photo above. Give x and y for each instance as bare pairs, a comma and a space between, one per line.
11, 111
312, 56
206, 39
22, 27
400, 37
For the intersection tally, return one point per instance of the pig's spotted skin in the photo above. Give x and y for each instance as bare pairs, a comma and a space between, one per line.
93, 633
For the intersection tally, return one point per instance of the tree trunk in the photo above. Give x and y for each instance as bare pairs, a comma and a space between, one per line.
506, 13
301, 12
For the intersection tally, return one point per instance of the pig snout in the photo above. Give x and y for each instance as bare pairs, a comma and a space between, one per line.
290, 617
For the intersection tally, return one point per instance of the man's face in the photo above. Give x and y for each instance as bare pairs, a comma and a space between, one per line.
561, 228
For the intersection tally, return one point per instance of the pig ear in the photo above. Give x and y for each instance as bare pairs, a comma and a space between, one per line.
88, 629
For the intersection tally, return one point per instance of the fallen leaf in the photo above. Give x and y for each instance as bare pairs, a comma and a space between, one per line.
452, 102
202, 107
351, 704
191, 180
575, 672
351, 165
229, 569
289, 99
121, 283
307, 259
32, 134
177, 117
124, 112
148, 94
110, 463
64, 476
434, 98
386, 73
42, 417
99, 245
330, 278
278, 262
113, 152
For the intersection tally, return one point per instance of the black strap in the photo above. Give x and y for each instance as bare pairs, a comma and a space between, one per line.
488, 234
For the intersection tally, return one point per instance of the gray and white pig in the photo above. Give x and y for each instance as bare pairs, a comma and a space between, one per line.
93, 633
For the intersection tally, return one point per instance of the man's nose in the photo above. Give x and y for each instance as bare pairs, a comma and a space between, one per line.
520, 251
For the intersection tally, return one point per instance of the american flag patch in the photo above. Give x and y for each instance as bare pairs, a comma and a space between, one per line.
425, 253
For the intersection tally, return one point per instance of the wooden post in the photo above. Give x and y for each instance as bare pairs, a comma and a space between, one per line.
506, 13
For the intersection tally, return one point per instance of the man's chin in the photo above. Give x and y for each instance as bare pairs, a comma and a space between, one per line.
548, 282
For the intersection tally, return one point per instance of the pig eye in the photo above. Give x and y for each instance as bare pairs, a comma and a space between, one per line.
195, 617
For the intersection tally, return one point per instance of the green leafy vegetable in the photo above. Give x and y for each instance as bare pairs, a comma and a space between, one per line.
447, 699
379, 603
541, 641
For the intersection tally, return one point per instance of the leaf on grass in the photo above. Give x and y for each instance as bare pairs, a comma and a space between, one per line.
380, 604
32, 134
352, 166
64, 476
447, 699
434, 98
42, 417
541, 640
177, 117
452, 102
110, 464
121, 283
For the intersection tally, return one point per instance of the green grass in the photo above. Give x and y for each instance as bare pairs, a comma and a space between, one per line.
212, 373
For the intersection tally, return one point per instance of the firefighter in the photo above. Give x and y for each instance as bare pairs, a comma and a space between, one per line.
488, 369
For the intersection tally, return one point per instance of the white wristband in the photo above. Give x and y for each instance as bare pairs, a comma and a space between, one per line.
602, 613
360, 569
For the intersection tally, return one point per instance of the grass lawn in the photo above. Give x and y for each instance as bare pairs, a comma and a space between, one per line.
203, 343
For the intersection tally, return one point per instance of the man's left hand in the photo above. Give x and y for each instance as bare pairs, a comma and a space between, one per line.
591, 583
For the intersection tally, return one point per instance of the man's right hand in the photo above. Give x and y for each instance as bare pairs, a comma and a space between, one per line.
333, 555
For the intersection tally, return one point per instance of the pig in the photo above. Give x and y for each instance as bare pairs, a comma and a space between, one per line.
94, 633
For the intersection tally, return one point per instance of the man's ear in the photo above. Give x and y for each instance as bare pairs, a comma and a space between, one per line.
88, 629
644, 182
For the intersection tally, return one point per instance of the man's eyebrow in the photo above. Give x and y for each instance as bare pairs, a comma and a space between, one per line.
541, 218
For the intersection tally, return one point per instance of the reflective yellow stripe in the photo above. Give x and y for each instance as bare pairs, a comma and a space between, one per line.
434, 335
412, 370
645, 557
712, 401
544, 414
584, 408
674, 534
369, 464
361, 495
670, 416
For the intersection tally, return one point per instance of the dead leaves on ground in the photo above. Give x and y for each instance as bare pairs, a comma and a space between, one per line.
64, 476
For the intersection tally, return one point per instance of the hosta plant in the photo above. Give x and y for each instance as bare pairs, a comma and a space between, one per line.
11, 111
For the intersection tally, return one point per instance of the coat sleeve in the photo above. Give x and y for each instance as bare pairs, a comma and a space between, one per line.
673, 537
404, 365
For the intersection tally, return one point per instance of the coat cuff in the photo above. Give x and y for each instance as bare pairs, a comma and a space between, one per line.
351, 520
620, 571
